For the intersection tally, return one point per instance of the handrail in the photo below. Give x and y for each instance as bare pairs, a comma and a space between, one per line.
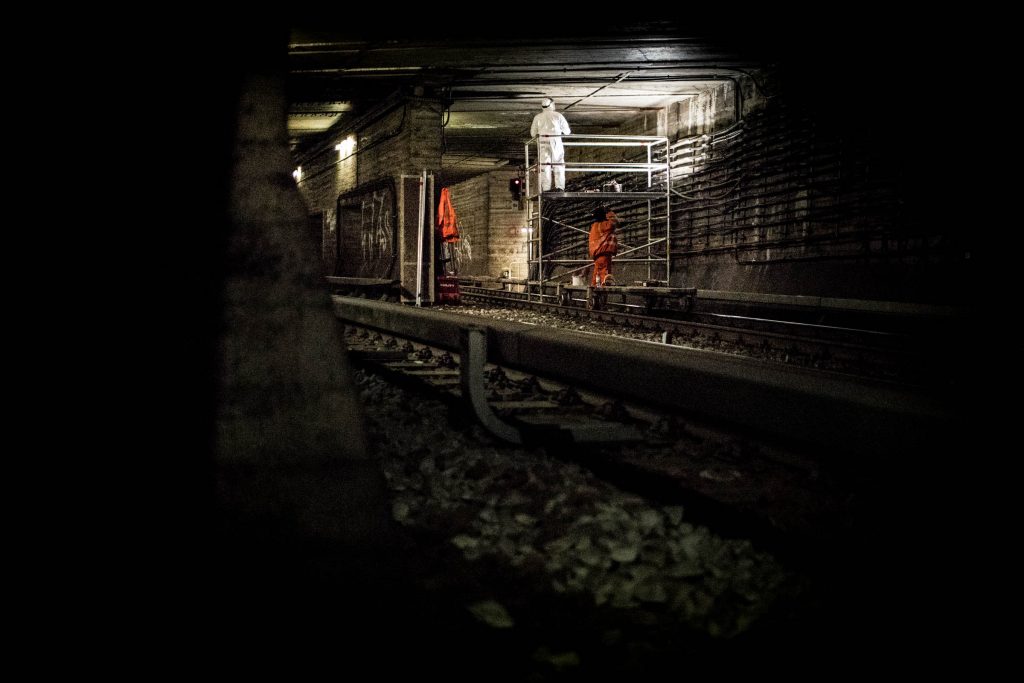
580, 136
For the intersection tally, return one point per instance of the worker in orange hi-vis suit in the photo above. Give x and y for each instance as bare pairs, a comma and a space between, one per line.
603, 244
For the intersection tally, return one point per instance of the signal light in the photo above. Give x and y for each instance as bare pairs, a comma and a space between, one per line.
515, 186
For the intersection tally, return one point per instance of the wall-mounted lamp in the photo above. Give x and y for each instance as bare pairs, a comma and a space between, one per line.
297, 174
346, 146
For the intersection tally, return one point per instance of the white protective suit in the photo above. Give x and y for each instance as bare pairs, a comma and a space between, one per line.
552, 153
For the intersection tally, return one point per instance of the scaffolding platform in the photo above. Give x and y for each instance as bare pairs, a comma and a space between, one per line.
597, 298
647, 185
661, 292
552, 195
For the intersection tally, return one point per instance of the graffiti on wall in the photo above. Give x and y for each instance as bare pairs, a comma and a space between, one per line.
457, 255
376, 228
464, 247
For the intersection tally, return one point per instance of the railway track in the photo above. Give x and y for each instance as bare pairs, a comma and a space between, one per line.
846, 414
755, 434
887, 355
739, 485
522, 408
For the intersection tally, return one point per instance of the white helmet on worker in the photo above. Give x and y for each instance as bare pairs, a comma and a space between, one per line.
547, 103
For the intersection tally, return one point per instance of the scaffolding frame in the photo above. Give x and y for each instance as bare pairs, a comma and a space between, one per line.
657, 191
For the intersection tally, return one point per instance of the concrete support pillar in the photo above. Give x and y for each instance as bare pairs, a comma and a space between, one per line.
290, 444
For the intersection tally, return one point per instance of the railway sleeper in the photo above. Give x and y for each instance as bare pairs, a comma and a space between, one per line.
529, 414
523, 430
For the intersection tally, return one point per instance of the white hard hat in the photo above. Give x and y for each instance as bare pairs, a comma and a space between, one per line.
546, 102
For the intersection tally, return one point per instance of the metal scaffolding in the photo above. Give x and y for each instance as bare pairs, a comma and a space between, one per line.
644, 181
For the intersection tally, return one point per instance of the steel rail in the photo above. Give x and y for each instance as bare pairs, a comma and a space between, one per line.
846, 415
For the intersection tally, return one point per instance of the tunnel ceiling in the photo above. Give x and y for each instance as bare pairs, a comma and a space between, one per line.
599, 76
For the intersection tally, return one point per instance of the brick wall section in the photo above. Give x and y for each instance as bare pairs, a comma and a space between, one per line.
491, 225
471, 199
423, 136
325, 176
383, 146
506, 247
405, 140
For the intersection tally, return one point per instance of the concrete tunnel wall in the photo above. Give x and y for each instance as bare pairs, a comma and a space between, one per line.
835, 198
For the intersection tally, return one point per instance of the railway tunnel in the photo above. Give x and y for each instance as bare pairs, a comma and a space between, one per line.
489, 466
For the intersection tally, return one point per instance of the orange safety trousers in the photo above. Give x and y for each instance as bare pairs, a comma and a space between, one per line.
602, 269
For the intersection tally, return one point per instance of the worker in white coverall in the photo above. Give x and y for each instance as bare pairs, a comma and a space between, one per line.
552, 154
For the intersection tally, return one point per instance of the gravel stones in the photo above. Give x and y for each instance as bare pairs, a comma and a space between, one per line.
576, 534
